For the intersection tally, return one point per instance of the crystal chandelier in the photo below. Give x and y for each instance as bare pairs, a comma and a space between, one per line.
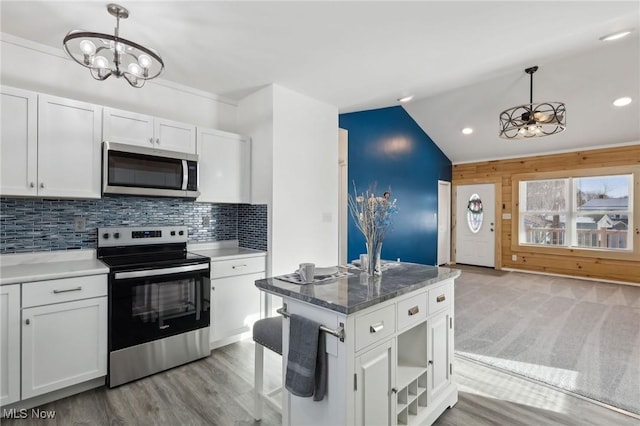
532, 120
106, 54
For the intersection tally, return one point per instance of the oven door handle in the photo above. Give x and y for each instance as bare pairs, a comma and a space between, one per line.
163, 271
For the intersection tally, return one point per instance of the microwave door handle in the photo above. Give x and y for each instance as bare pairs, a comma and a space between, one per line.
185, 175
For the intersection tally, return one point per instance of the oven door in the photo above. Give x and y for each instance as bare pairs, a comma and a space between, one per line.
146, 305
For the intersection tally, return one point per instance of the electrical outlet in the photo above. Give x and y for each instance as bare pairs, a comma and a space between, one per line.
206, 220
79, 224
514, 257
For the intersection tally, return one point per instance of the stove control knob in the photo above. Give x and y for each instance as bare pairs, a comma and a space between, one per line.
105, 236
116, 235
173, 233
181, 233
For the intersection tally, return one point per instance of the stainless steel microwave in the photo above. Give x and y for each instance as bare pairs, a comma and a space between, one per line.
136, 170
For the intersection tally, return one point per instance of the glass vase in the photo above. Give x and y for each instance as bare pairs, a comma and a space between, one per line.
372, 265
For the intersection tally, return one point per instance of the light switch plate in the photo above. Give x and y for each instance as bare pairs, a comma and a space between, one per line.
506, 215
79, 224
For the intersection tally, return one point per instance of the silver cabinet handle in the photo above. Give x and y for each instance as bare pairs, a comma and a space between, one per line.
158, 141
440, 298
79, 288
413, 310
374, 328
151, 141
238, 266
41, 185
27, 321
31, 185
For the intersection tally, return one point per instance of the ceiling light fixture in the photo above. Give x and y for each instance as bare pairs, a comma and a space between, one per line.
620, 102
467, 131
106, 54
405, 99
615, 36
532, 120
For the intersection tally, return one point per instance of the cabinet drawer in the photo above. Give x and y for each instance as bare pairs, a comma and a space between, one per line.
440, 297
63, 290
245, 265
412, 310
375, 326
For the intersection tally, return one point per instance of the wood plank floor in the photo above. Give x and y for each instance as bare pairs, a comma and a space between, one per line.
218, 391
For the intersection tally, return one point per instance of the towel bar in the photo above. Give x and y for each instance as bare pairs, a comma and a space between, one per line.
339, 333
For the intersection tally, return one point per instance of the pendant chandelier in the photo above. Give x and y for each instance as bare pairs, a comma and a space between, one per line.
532, 120
106, 54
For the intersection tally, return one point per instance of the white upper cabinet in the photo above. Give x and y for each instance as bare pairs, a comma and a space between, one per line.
69, 155
18, 142
144, 130
225, 167
50, 146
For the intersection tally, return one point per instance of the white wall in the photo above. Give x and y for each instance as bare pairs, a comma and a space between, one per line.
294, 171
32, 66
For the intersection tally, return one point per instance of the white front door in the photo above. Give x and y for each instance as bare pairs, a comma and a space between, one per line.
444, 219
475, 220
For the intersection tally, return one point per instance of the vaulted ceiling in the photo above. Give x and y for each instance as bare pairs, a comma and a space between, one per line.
463, 61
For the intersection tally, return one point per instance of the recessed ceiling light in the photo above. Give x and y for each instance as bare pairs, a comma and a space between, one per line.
622, 101
615, 36
467, 131
405, 99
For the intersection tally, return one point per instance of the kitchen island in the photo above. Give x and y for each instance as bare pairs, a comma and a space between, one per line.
389, 344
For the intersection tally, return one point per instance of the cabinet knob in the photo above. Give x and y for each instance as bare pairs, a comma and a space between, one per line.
151, 141
31, 185
41, 185
394, 390
430, 362
27, 321
158, 141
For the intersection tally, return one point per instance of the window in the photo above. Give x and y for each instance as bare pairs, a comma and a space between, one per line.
594, 212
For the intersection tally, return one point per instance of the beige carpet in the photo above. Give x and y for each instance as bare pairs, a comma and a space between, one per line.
581, 336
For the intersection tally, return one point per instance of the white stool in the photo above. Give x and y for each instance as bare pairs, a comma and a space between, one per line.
267, 333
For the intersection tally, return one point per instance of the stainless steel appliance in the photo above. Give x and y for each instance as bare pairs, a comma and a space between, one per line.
136, 170
159, 305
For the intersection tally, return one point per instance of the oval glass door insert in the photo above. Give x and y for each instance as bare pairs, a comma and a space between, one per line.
474, 213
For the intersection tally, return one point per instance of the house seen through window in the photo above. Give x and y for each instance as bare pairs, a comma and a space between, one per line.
587, 212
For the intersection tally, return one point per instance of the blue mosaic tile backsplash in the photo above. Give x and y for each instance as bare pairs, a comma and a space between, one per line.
35, 224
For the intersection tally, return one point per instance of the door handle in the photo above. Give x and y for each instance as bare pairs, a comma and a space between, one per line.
79, 288
374, 328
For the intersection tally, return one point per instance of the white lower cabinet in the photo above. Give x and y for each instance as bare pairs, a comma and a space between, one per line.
9, 344
375, 377
235, 300
64, 333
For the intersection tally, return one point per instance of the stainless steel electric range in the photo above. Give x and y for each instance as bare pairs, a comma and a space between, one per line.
159, 305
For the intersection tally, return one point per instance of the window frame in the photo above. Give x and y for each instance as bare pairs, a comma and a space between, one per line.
633, 254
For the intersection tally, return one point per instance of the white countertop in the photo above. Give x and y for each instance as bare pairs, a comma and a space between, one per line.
224, 250
41, 266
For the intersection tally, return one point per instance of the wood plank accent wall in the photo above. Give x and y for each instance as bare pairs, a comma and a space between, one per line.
570, 264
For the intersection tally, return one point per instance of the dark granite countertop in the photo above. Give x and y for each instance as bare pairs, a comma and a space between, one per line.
358, 291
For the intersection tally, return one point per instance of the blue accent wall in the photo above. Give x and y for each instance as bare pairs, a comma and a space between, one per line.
387, 149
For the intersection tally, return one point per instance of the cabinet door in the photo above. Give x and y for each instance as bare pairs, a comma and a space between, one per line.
9, 344
225, 167
440, 336
63, 344
235, 305
69, 157
175, 136
375, 377
18, 142
127, 127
